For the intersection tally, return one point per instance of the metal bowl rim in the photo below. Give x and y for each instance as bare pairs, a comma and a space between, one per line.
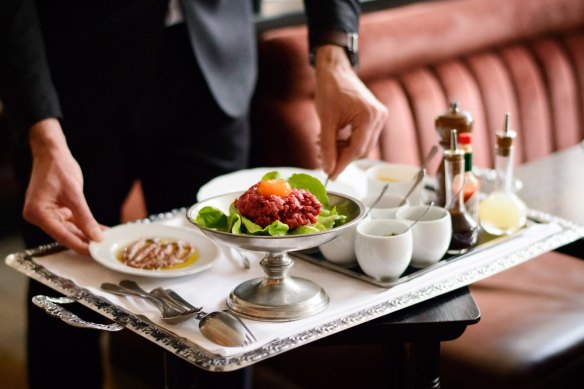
358, 218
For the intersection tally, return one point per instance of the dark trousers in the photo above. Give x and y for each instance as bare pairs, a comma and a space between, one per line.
175, 141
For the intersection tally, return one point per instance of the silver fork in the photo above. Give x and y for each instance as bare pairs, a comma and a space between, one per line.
167, 312
129, 284
172, 295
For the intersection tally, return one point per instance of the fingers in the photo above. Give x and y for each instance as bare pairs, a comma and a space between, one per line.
72, 228
364, 133
84, 220
57, 223
328, 145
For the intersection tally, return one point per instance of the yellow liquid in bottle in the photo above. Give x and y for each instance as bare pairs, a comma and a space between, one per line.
502, 213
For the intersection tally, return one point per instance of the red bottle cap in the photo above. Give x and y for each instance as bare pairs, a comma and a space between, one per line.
465, 138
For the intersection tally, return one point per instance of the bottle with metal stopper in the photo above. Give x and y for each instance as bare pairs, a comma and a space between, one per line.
465, 230
503, 212
455, 119
471, 182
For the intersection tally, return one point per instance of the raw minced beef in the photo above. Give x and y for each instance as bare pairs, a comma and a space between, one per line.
298, 208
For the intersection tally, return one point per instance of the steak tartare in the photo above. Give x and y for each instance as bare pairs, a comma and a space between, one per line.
298, 208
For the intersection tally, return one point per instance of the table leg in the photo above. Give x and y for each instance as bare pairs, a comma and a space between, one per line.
425, 365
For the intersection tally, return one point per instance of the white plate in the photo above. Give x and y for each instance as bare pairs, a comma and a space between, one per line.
241, 180
117, 237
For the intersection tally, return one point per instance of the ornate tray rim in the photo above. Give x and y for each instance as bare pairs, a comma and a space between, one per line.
191, 352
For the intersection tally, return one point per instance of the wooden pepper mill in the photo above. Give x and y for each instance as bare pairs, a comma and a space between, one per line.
453, 119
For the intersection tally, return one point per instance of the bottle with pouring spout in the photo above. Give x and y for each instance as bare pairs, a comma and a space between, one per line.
503, 212
455, 119
465, 230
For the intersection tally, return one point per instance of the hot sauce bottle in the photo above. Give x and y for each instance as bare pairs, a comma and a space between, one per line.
471, 182
503, 212
465, 230
455, 119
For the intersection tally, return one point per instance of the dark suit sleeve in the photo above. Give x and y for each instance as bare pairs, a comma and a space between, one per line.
26, 89
331, 15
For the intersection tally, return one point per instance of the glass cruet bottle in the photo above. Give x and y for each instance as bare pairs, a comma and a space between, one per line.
465, 230
502, 212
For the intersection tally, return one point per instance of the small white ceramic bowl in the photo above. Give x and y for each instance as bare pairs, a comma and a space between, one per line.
383, 248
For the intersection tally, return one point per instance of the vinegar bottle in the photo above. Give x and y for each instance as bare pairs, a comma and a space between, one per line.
465, 230
503, 212
471, 182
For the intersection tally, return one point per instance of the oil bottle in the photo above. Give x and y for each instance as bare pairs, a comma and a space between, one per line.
503, 212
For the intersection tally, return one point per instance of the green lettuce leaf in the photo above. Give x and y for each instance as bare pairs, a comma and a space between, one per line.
271, 175
235, 223
212, 217
311, 184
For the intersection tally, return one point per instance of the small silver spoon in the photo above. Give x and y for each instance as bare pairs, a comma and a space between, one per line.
429, 156
419, 178
374, 203
419, 218
420, 175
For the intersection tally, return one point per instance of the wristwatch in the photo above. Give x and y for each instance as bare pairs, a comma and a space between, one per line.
347, 40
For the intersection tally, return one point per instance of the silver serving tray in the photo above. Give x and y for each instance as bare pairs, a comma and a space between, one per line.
24, 262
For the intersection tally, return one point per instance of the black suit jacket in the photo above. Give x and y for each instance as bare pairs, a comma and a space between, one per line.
90, 59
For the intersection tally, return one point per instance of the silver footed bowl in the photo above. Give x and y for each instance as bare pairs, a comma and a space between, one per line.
352, 208
277, 296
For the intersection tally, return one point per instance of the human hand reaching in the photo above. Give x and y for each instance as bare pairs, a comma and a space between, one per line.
344, 105
54, 199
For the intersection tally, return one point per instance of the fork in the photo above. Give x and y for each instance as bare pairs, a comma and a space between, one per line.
167, 312
172, 295
129, 284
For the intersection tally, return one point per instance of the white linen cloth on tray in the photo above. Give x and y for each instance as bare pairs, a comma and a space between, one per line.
210, 288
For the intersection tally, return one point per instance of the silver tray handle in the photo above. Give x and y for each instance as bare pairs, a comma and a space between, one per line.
49, 304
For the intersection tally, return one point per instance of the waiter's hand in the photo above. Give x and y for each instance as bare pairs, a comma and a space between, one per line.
344, 103
54, 199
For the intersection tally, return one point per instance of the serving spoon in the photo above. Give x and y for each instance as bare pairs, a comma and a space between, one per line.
220, 327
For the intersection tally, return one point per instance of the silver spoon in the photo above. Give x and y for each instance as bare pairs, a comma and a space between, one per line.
419, 218
429, 156
374, 203
214, 330
219, 327
420, 175
419, 178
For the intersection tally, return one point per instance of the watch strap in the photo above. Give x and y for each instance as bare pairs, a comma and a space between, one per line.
347, 40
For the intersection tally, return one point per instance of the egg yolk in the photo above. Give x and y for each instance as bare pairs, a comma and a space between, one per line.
276, 187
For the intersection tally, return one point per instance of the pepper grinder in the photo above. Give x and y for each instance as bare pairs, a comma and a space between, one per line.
455, 119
